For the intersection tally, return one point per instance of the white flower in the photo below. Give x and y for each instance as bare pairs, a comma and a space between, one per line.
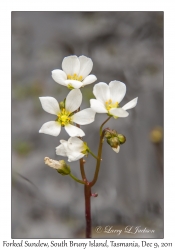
108, 98
75, 73
74, 149
66, 117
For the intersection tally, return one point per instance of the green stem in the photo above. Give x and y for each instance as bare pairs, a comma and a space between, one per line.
101, 127
93, 154
77, 180
102, 133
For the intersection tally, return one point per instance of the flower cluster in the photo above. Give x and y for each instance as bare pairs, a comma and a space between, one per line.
114, 139
75, 74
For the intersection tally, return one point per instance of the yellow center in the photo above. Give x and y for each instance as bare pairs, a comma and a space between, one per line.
64, 117
109, 104
75, 77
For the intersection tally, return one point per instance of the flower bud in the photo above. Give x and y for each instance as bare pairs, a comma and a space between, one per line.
113, 142
114, 139
107, 134
60, 166
121, 138
110, 133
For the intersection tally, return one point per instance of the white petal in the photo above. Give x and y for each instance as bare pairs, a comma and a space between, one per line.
116, 149
73, 100
89, 79
86, 65
117, 91
101, 92
118, 112
63, 141
74, 83
75, 144
71, 65
98, 106
74, 131
50, 105
51, 128
130, 104
59, 76
86, 116
60, 150
75, 156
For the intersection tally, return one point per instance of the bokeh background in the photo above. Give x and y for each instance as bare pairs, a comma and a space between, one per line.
125, 46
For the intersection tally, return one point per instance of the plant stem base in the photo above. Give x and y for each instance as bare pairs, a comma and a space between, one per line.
87, 194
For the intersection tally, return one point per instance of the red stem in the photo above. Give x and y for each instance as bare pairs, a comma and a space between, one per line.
87, 194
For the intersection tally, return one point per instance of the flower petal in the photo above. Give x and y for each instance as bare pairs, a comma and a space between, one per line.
59, 76
86, 65
116, 149
89, 79
71, 65
118, 112
74, 131
130, 104
73, 100
101, 92
74, 83
63, 141
60, 150
51, 128
74, 156
50, 105
86, 116
117, 91
75, 144
98, 106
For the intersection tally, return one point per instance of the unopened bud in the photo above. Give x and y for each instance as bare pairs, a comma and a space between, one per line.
60, 166
107, 134
114, 133
121, 138
110, 133
113, 142
114, 139
116, 149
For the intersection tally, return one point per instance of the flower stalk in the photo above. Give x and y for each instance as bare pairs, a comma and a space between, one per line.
102, 133
77, 180
93, 154
87, 194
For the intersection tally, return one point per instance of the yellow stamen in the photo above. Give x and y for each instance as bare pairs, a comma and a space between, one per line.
80, 78
68, 76
64, 117
75, 77
109, 104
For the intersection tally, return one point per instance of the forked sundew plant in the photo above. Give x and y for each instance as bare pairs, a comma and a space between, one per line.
75, 74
